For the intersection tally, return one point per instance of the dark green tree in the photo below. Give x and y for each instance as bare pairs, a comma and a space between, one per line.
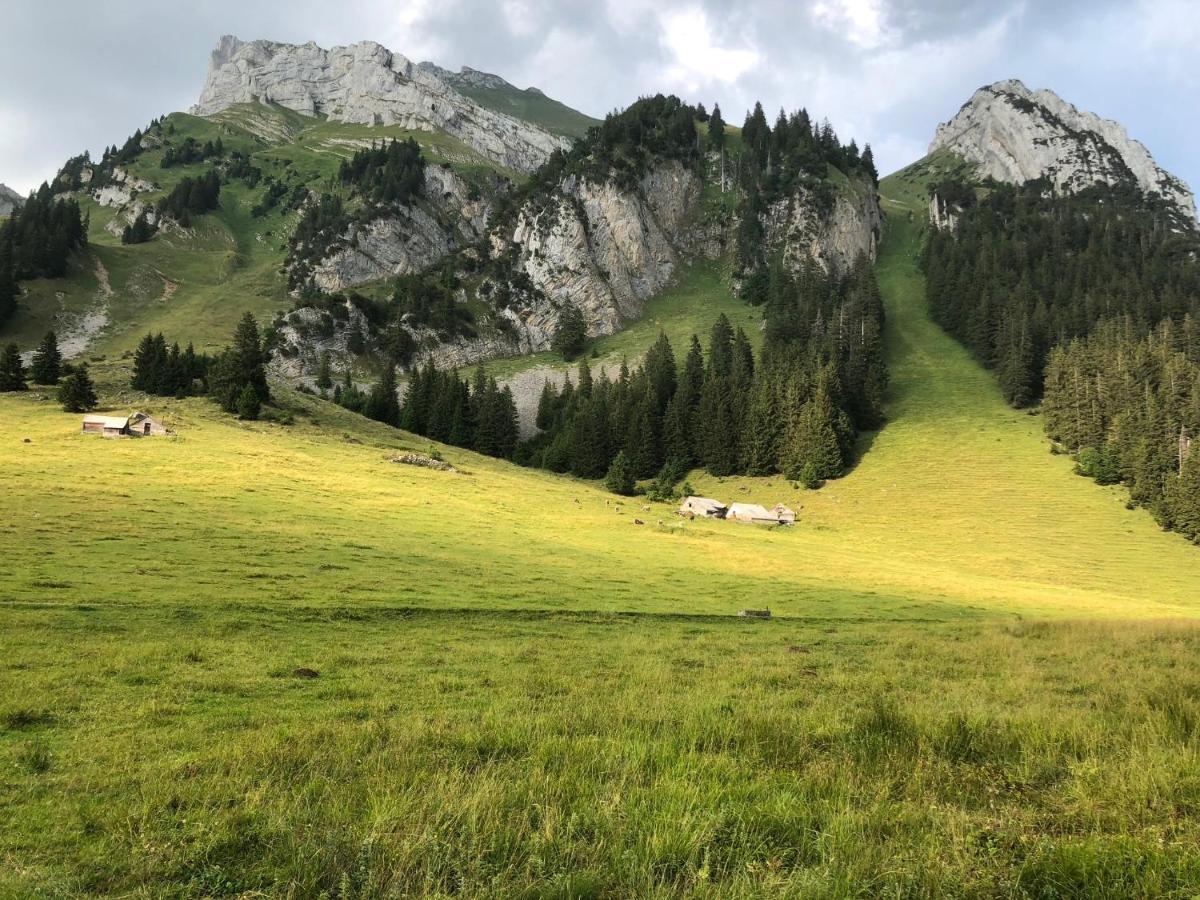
12, 370
47, 361
248, 404
570, 337
324, 373
381, 404
76, 392
620, 477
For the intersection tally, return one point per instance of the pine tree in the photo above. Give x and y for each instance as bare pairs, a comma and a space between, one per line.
76, 392
47, 361
324, 373
8, 281
716, 130
381, 403
250, 357
763, 430
620, 477
12, 370
811, 449
1183, 497
248, 404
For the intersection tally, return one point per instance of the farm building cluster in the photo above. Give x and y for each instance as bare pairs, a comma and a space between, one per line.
751, 513
138, 424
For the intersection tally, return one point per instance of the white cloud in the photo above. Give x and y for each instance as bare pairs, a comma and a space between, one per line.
695, 57
859, 21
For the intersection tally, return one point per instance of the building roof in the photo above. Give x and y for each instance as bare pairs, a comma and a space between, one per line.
703, 503
751, 511
107, 421
782, 510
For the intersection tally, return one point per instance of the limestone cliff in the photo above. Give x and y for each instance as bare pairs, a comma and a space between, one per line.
1013, 134
368, 84
410, 238
834, 237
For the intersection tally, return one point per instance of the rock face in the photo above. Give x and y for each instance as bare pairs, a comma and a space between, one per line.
833, 240
1013, 134
9, 200
367, 84
413, 238
600, 249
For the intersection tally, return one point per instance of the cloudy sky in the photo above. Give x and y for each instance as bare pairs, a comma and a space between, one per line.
80, 76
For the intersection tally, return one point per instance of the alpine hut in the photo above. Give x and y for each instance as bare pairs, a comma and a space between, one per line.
784, 515
702, 508
109, 426
752, 513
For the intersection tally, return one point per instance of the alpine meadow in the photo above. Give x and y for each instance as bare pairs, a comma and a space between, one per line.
416, 487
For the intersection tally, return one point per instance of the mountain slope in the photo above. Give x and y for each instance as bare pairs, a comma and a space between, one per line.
1013, 134
961, 491
530, 104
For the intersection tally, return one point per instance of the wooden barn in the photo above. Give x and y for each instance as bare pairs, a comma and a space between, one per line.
144, 425
702, 508
137, 425
109, 426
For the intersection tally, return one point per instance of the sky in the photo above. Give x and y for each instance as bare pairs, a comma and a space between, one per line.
885, 72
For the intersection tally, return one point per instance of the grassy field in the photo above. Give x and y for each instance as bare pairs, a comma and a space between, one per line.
979, 680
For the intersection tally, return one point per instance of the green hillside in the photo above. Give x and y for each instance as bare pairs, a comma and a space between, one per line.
195, 285
522, 692
531, 105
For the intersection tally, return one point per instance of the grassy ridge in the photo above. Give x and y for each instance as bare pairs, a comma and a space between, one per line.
525, 695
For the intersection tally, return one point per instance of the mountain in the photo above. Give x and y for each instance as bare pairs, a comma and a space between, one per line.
368, 84
1015, 135
9, 200
529, 104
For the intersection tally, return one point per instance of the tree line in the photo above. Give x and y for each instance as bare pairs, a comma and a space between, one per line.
236, 378
794, 409
479, 415
36, 242
1089, 303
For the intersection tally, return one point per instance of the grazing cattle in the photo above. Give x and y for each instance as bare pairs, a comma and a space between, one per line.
638, 522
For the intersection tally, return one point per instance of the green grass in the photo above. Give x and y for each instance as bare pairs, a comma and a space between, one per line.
532, 105
979, 680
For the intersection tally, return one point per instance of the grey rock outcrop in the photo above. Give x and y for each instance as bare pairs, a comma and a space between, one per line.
368, 84
410, 239
1016, 135
601, 249
9, 200
835, 239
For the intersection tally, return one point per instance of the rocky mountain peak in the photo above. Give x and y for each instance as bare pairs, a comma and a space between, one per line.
1015, 134
366, 83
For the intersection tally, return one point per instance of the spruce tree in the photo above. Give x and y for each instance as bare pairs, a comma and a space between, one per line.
620, 478
811, 449
12, 370
248, 404
1183, 497
8, 281
324, 373
716, 130
76, 392
47, 361
381, 404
